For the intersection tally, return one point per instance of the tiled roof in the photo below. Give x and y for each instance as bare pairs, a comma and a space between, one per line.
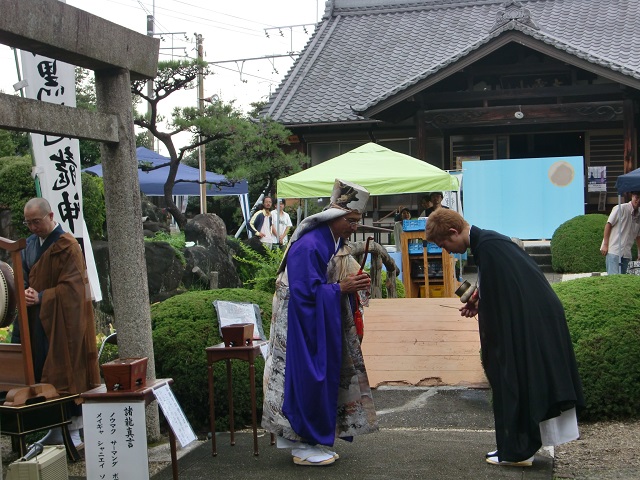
366, 51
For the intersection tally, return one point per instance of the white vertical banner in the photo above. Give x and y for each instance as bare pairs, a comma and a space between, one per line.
57, 159
451, 199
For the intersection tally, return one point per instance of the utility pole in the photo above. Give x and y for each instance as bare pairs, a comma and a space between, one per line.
201, 149
150, 32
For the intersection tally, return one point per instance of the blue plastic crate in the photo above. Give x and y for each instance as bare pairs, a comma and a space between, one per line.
433, 248
414, 225
415, 248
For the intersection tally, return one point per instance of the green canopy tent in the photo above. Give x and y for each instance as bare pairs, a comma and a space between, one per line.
378, 169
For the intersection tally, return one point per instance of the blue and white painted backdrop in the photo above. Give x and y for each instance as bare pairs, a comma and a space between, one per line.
526, 198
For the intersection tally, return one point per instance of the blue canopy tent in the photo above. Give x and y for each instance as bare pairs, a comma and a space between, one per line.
629, 182
187, 180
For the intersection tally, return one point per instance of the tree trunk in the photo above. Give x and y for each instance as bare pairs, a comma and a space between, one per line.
379, 257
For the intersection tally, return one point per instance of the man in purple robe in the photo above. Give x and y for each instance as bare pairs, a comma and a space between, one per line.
316, 385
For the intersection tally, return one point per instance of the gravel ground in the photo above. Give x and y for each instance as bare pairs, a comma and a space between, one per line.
605, 451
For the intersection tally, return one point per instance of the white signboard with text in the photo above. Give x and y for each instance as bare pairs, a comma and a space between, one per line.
57, 159
174, 415
115, 440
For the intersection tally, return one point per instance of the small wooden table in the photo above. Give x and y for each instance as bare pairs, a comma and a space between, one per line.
100, 394
20, 420
248, 354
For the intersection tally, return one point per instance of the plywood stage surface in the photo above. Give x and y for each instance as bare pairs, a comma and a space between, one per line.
421, 341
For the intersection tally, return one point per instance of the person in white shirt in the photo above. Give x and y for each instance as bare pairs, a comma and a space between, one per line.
261, 224
281, 225
621, 229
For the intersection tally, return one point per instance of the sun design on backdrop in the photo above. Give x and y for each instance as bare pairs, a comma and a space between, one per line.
561, 173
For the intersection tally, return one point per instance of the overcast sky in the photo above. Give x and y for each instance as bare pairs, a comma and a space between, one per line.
232, 30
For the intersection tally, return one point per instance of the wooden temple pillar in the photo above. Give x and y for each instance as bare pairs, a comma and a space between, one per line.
421, 135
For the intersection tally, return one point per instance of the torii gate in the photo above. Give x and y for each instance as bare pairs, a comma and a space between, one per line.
117, 55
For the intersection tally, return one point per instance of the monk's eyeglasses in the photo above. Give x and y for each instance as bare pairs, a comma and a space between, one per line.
35, 223
353, 223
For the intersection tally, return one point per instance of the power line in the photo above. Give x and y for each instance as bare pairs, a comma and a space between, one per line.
265, 57
150, 14
290, 27
212, 22
189, 17
196, 19
221, 13
181, 15
273, 82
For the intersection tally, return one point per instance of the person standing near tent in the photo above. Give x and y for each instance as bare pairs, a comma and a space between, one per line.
621, 229
261, 223
526, 348
281, 224
316, 385
426, 204
436, 203
403, 213
59, 310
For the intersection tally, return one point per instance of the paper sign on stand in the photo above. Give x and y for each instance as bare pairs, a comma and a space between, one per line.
174, 415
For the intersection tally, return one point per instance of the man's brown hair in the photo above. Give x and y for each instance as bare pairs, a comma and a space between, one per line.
440, 221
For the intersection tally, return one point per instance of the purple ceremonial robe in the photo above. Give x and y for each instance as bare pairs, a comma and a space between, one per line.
314, 339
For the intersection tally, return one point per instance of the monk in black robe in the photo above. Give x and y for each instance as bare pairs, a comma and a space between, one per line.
527, 352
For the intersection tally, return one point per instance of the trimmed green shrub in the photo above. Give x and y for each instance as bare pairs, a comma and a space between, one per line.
602, 314
183, 326
575, 245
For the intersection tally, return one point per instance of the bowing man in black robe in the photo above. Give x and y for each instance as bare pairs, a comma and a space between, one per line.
527, 352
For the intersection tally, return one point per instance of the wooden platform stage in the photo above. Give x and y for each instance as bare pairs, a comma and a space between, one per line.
421, 341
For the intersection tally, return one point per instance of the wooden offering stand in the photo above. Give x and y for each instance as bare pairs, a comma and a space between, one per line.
17, 377
125, 374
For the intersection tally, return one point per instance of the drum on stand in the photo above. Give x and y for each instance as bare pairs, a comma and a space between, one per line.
8, 297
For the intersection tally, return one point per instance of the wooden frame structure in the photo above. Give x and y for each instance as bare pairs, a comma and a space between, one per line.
412, 284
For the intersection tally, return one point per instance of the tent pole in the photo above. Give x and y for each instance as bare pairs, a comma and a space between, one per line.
278, 202
244, 207
619, 236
